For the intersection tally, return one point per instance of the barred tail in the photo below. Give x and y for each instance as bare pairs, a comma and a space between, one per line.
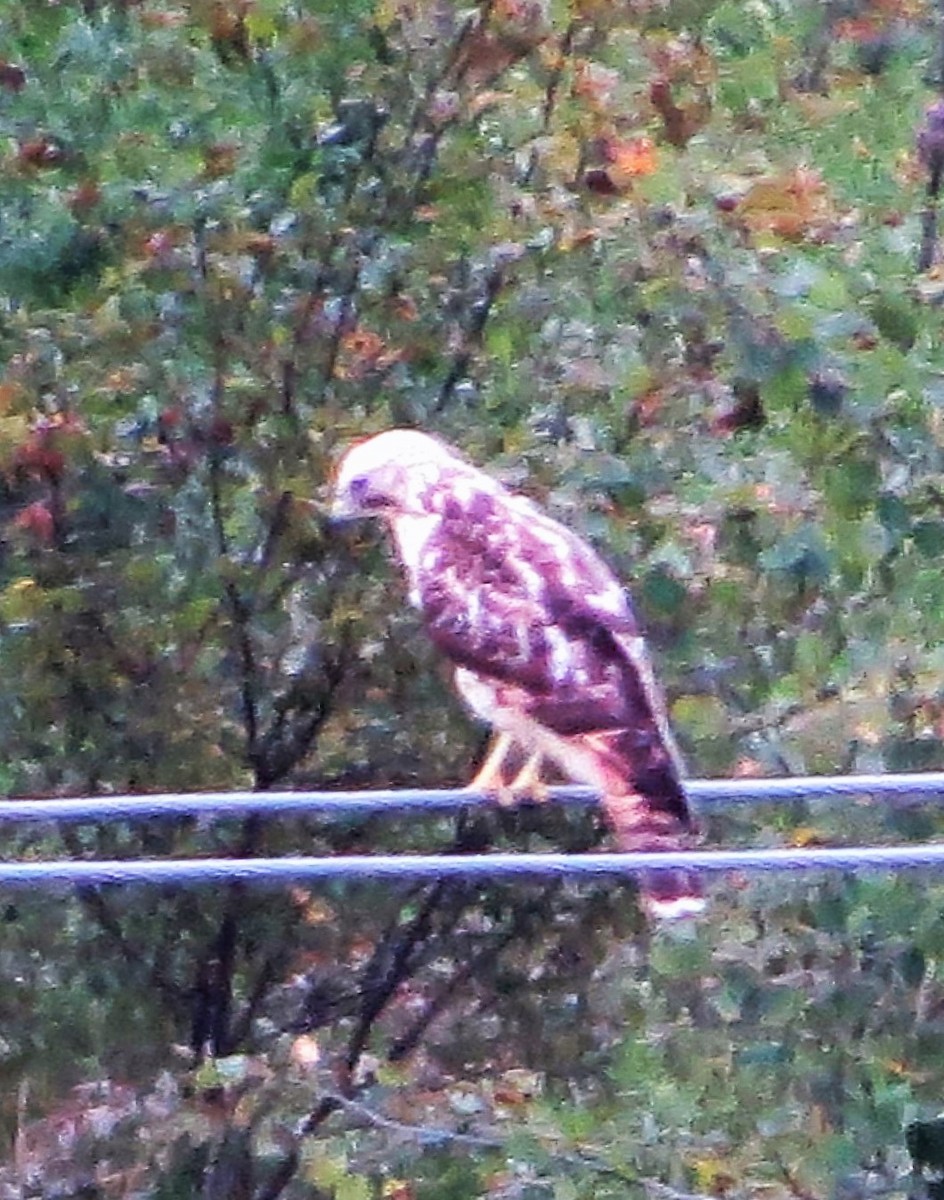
645, 805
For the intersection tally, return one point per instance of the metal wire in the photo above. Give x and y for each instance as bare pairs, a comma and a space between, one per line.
464, 866
219, 805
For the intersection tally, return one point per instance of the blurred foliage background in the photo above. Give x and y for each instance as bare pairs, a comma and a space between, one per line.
669, 266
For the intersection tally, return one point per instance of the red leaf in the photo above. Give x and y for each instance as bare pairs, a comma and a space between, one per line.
37, 521
12, 77
37, 457
41, 152
84, 197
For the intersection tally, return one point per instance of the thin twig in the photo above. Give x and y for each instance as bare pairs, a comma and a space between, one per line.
97, 907
473, 967
397, 969
551, 95
478, 316
285, 1172
928, 246
424, 1133
273, 968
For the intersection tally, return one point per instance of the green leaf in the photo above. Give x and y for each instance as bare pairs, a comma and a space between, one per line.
929, 537
801, 555
663, 593
896, 319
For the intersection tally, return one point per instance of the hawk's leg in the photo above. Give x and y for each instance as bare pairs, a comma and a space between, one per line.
525, 785
489, 777
528, 784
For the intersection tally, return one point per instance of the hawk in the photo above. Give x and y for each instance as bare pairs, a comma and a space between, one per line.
542, 636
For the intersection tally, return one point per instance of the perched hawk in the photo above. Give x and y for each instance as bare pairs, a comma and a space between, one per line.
545, 645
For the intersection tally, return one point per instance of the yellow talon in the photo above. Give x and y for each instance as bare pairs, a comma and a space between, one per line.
528, 784
489, 778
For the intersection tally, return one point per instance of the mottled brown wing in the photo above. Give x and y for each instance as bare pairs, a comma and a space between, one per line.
528, 608
518, 599
489, 602
494, 599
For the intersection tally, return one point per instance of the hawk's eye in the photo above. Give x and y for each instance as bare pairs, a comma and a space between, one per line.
362, 495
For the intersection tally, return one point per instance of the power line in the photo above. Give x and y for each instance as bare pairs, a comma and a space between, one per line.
481, 867
704, 793
909, 788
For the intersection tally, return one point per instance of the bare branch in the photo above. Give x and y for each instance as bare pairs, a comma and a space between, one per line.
479, 312
424, 1133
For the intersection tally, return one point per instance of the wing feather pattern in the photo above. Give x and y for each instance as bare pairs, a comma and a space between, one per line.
522, 605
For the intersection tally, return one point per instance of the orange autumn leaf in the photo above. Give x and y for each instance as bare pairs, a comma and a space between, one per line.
596, 84
683, 60
625, 159
363, 351
680, 122
12, 395
857, 29
519, 11
84, 197
805, 836
514, 29
306, 1051
632, 157
40, 152
877, 17
170, 19
648, 404
484, 57
792, 205
571, 238
484, 100
714, 1176
362, 342
219, 160
405, 307
398, 1189
227, 20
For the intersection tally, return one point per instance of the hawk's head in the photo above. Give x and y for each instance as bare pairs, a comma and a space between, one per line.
384, 475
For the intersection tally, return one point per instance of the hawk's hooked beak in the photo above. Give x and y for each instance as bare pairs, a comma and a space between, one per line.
342, 512
347, 503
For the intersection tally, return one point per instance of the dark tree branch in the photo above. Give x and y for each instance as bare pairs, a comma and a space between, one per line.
358, 257
934, 76
387, 969
424, 150
472, 23
396, 959
286, 1170
277, 527
928, 246
552, 94
406, 1043
99, 910
300, 714
364, 1115
811, 77
273, 968
479, 312
240, 614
